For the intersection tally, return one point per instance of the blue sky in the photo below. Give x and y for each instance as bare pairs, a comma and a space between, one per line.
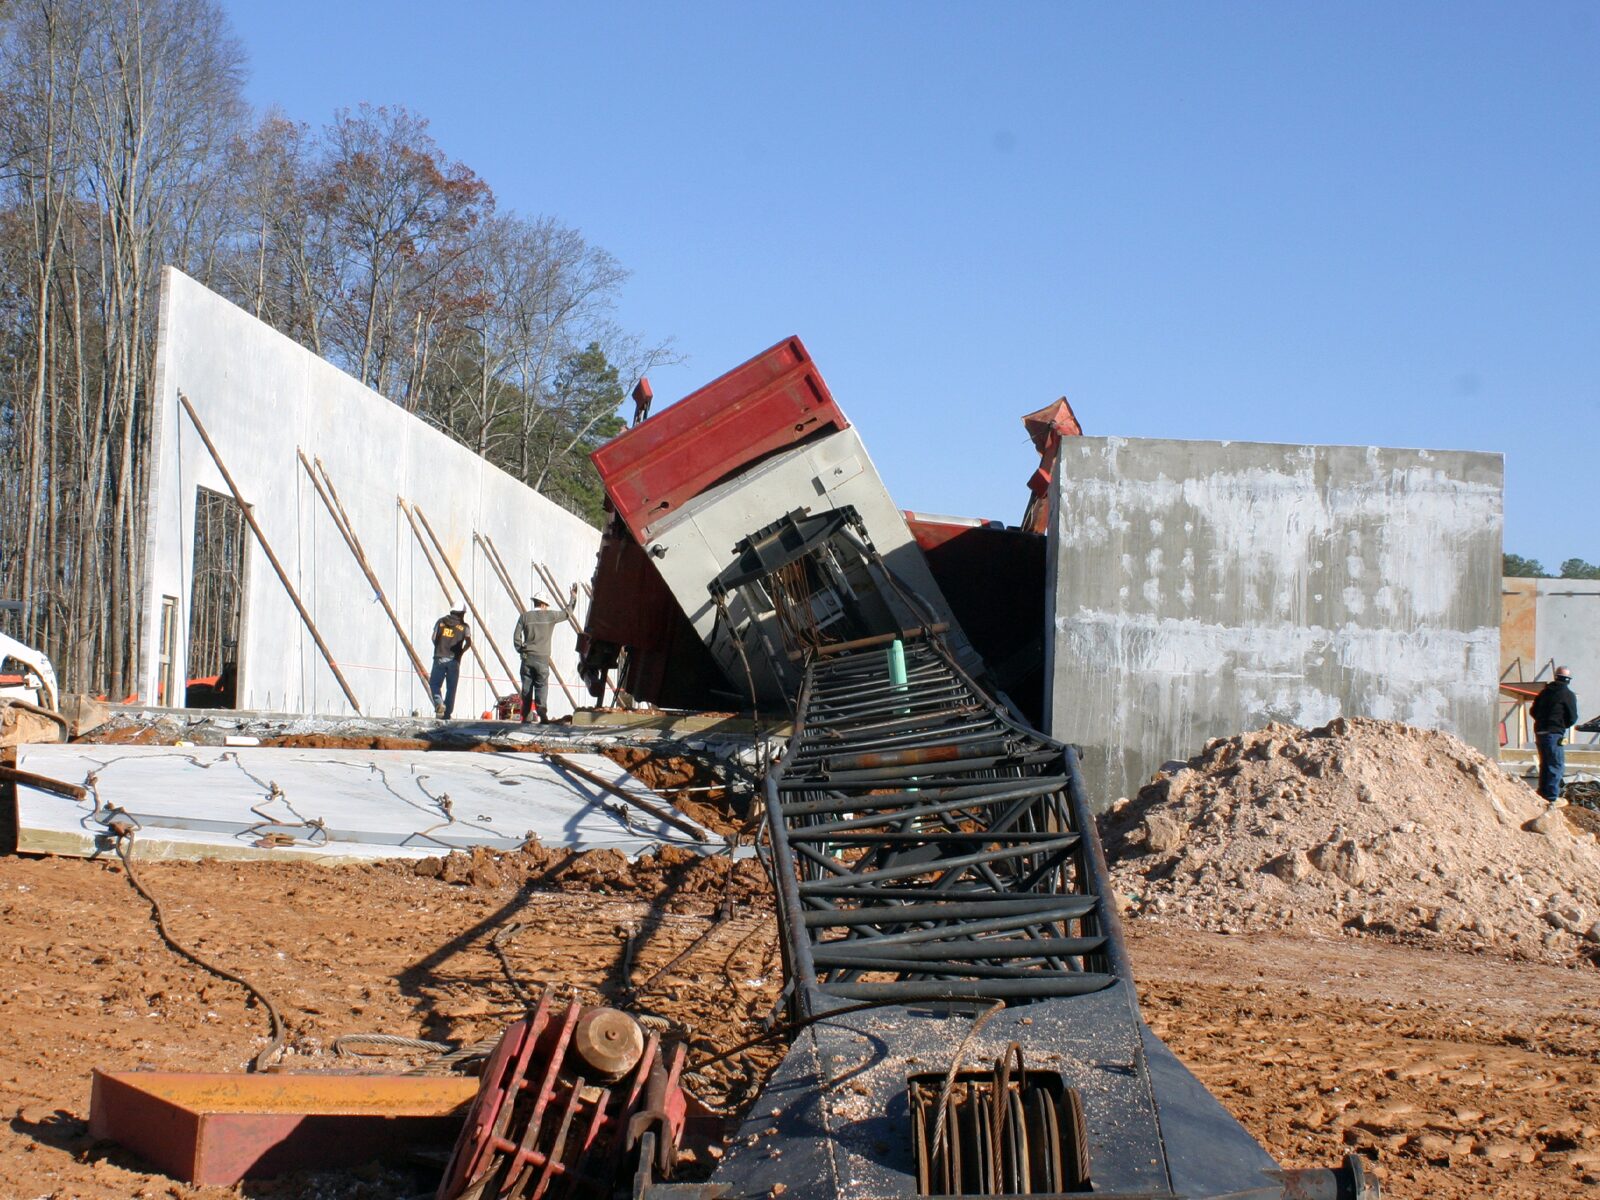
1352, 223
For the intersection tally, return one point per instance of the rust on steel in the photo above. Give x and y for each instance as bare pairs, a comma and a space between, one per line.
221, 1128
250, 519
948, 752
609, 1041
42, 783
881, 639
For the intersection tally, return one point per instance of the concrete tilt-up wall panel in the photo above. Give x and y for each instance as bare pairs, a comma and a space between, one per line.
1201, 589
1549, 623
262, 397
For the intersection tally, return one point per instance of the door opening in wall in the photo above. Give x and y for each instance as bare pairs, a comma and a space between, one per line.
216, 601
166, 666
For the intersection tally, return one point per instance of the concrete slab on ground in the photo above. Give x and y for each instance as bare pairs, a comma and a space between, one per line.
332, 805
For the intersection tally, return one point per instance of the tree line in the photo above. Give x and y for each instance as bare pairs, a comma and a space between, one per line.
1515, 566
126, 144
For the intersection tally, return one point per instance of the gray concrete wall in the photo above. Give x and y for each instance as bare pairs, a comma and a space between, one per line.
1569, 631
1200, 589
262, 397
1548, 623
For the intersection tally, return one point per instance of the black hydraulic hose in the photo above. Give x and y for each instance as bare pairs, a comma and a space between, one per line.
262, 1061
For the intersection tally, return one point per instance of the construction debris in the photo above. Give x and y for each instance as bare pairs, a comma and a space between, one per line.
24, 724
1364, 827
1483, 1083
215, 1128
574, 1102
935, 861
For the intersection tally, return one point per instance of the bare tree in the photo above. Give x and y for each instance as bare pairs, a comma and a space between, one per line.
125, 144
402, 216
120, 112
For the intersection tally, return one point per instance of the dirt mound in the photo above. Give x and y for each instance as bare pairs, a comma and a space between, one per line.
693, 783
1360, 826
328, 741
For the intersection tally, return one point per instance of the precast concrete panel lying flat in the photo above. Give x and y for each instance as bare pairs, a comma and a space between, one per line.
332, 805
264, 399
1199, 589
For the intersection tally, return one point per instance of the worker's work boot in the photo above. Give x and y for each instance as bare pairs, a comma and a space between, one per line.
438, 711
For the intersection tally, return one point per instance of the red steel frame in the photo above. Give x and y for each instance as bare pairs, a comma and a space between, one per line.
775, 400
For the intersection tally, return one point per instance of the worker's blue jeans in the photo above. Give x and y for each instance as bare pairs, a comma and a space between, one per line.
1552, 764
446, 674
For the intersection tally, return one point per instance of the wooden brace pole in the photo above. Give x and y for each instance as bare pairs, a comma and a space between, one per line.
666, 816
255, 528
498, 567
449, 596
465, 595
341, 521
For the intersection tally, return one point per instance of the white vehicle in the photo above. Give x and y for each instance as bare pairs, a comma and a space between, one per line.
38, 685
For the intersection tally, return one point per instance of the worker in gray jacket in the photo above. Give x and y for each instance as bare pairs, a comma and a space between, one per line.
532, 639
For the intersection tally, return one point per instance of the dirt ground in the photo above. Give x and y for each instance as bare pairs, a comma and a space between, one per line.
1360, 825
1461, 1075
1464, 1076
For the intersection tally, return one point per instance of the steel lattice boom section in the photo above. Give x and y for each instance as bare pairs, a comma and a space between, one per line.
929, 846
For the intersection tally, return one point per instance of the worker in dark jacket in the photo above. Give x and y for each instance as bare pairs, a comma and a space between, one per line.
451, 639
532, 638
1555, 710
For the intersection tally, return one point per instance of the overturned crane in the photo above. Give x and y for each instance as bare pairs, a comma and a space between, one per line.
966, 1021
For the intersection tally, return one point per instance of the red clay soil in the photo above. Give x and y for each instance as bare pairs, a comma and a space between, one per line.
128, 735
673, 775
1584, 820
324, 741
1458, 1075
1464, 1076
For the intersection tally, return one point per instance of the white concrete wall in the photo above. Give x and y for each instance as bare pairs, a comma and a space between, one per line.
262, 397
1200, 589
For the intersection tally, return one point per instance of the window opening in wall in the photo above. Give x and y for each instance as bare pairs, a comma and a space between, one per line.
216, 601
